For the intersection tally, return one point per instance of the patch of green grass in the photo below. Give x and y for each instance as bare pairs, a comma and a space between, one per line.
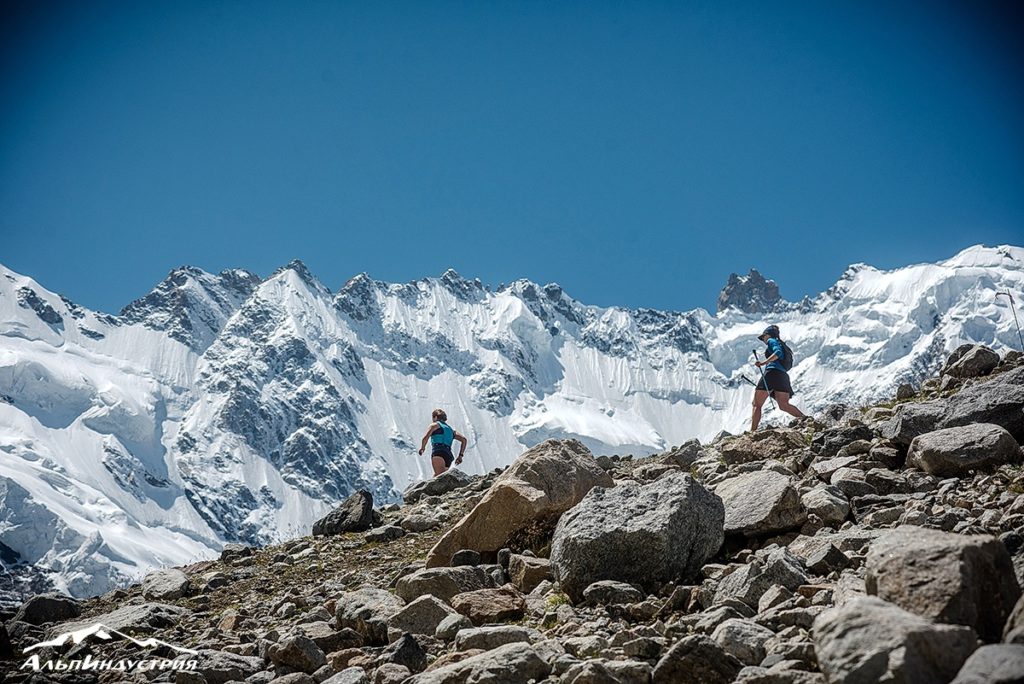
558, 599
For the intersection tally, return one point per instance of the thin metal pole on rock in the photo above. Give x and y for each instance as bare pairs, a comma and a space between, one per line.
764, 379
1013, 310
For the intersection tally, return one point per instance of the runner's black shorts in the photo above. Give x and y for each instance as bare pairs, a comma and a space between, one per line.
778, 381
443, 451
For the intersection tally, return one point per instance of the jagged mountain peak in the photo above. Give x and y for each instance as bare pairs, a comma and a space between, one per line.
191, 305
531, 291
751, 294
462, 288
239, 278
359, 280
182, 275
299, 268
357, 298
178, 274
550, 303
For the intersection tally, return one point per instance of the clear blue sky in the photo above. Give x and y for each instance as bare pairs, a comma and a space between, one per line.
636, 153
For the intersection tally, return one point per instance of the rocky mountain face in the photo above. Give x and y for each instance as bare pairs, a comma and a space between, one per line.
882, 543
751, 294
191, 305
226, 408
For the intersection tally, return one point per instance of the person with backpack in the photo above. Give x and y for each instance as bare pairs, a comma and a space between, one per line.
441, 436
774, 376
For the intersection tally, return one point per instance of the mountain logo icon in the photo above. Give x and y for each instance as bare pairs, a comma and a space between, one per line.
103, 633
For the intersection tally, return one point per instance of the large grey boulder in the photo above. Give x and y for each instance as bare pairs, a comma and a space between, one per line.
488, 606
868, 640
493, 636
421, 616
444, 583
974, 361
44, 608
683, 456
760, 503
142, 618
166, 585
952, 578
355, 514
299, 652
852, 482
999, 400
955, 356
450, 627
350, 675
367, 611
405, 651
644, 535
768, 568
219, 667
828, 503
995, 664
696, 659
526, 572
610, 592
851, 540
826, 560
601, 671
516, 662
327, 637
825, 468
835, 441
743, 639
776, 444
957, 450
547, 480
1013, 632
448, 481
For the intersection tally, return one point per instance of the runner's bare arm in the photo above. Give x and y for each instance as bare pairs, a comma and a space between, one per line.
430, 431
462, 446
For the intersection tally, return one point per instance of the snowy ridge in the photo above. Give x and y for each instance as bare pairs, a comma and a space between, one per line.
225, 408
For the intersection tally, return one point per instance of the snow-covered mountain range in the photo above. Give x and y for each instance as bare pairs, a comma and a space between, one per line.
233, 408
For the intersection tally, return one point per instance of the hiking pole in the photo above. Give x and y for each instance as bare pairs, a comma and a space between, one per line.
1013, 310
764, 379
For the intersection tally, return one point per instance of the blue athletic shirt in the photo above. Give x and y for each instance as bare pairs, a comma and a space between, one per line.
443, 436
775, 347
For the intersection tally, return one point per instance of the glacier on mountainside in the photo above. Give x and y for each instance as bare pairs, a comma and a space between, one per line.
232, 408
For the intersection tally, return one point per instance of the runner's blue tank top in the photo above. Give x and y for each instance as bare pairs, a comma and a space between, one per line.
443, 434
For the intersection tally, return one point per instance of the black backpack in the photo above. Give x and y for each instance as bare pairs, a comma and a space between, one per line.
787, 356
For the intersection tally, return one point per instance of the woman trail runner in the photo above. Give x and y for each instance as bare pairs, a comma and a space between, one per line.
774, 379
441, 436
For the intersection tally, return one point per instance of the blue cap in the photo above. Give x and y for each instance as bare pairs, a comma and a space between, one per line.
772, 330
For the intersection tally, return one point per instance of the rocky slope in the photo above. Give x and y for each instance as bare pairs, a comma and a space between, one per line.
883, 543
226, 408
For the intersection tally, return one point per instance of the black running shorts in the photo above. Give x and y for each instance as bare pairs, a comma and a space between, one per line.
778, 381
443, 451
